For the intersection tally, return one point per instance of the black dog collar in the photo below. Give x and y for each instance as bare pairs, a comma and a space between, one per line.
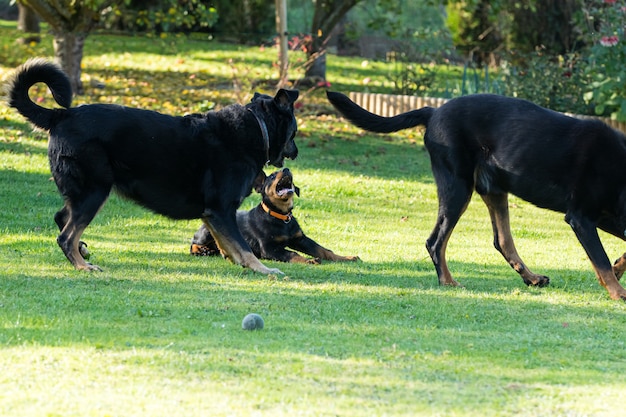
284, 217
266, 136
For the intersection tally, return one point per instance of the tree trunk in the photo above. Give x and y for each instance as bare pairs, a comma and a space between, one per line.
70, 23
68, 50
316, 64
28, 22
283, 47
327, 14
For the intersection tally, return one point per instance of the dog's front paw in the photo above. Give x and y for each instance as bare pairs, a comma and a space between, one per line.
313, 261
272, 271
89, 267
537, 281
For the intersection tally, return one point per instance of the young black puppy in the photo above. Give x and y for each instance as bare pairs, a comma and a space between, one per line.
270, 227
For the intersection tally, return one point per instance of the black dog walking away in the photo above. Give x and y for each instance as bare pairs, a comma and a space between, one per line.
498, 145
199, 166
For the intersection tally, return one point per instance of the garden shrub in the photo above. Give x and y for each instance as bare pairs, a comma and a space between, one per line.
602, 24
558, 83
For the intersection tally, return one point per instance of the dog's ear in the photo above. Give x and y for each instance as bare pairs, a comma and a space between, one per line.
257, 185
285, 98
297, 190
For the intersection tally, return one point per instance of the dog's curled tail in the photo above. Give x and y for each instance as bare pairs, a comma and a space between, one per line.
34, 71
374, 123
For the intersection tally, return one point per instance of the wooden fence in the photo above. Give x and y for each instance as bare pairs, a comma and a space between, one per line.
390, 105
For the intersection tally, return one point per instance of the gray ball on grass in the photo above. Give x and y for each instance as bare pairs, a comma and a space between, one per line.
252, 322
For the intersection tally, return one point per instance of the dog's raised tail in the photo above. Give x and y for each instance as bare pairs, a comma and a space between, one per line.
375, 123
32, 72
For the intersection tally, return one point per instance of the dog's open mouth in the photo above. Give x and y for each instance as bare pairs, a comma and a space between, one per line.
285, 187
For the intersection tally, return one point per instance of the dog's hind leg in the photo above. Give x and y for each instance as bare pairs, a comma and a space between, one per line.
61, 218
231, 243
454, 195
498, 205
587, 235
75, 216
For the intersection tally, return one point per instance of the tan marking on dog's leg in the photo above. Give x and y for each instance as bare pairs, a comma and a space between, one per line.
619, 266
201, 250
299, 259
439, 260
350, 258
503, 240
439, 256
69, 241
445, 276
454, 194
609, 281
329, 255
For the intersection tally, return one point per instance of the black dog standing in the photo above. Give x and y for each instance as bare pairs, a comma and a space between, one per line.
270, 227
498, 145
200, 166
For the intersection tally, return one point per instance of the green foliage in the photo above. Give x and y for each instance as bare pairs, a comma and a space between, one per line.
555, 82
411, 78
479, 28
415, 34
68, 16
161, 16
249, 22
485, 29
604, 30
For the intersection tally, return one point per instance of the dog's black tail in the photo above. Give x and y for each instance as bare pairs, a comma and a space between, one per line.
32, 72
374, 123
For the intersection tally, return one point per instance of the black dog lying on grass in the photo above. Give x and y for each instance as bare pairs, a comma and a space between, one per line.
498, 145
270, 227
201, 166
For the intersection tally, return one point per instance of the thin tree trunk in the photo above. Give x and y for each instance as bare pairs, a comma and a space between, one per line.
70, 26
327, 14
316, 64
283, 55
28, 22
68, 50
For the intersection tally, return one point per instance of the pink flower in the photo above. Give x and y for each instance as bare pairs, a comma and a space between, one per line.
609, 41
610, 1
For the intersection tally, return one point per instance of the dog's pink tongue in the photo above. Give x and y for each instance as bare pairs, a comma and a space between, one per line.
285, 191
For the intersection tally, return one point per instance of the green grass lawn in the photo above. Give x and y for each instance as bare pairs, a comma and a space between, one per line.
158, 332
